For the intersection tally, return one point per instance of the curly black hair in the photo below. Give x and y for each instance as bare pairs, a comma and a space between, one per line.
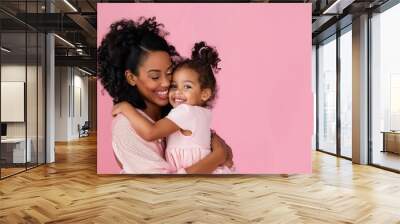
204, 61
123, 48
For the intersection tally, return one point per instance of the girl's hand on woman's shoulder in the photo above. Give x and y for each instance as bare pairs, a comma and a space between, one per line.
119, 107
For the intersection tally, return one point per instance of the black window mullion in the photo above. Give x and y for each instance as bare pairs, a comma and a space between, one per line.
338, 91
37, 91
317, 96
26, 87
369, 91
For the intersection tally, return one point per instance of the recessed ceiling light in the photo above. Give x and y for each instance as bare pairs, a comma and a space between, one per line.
337, 7
5, 49
64, 40
84, 71
70, 5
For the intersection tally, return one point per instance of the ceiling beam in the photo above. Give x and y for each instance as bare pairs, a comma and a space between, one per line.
86, 26
83, 61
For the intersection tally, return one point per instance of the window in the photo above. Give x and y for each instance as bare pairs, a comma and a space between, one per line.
327, 95
346, 93
385, 88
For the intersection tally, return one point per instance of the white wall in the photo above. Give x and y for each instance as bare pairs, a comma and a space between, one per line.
12, 73
16, 72
71, 93
61, 103
80, 102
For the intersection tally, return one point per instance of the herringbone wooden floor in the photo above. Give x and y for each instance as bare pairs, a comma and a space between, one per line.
70, 191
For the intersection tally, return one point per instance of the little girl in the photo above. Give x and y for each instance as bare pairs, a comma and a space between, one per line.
188, 124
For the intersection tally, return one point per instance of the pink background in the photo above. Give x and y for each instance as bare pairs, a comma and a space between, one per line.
264, 109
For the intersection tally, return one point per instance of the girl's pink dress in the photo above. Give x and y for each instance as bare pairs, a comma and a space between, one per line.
183, 151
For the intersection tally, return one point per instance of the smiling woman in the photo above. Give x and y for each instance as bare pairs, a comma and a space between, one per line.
156, 75
135, 64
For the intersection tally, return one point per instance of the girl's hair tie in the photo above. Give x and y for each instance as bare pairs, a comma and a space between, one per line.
201, 49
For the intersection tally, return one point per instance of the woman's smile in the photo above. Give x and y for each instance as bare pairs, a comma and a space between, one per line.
162, 94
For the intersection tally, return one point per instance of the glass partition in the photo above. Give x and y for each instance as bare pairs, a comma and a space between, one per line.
14, 144
22, 77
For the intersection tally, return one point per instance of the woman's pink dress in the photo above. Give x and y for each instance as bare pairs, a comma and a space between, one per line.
136, 155
183, 151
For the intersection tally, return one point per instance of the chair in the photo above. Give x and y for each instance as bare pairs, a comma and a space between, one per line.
84, 130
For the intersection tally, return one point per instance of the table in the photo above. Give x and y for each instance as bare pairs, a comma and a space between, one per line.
391, 141
15, 148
